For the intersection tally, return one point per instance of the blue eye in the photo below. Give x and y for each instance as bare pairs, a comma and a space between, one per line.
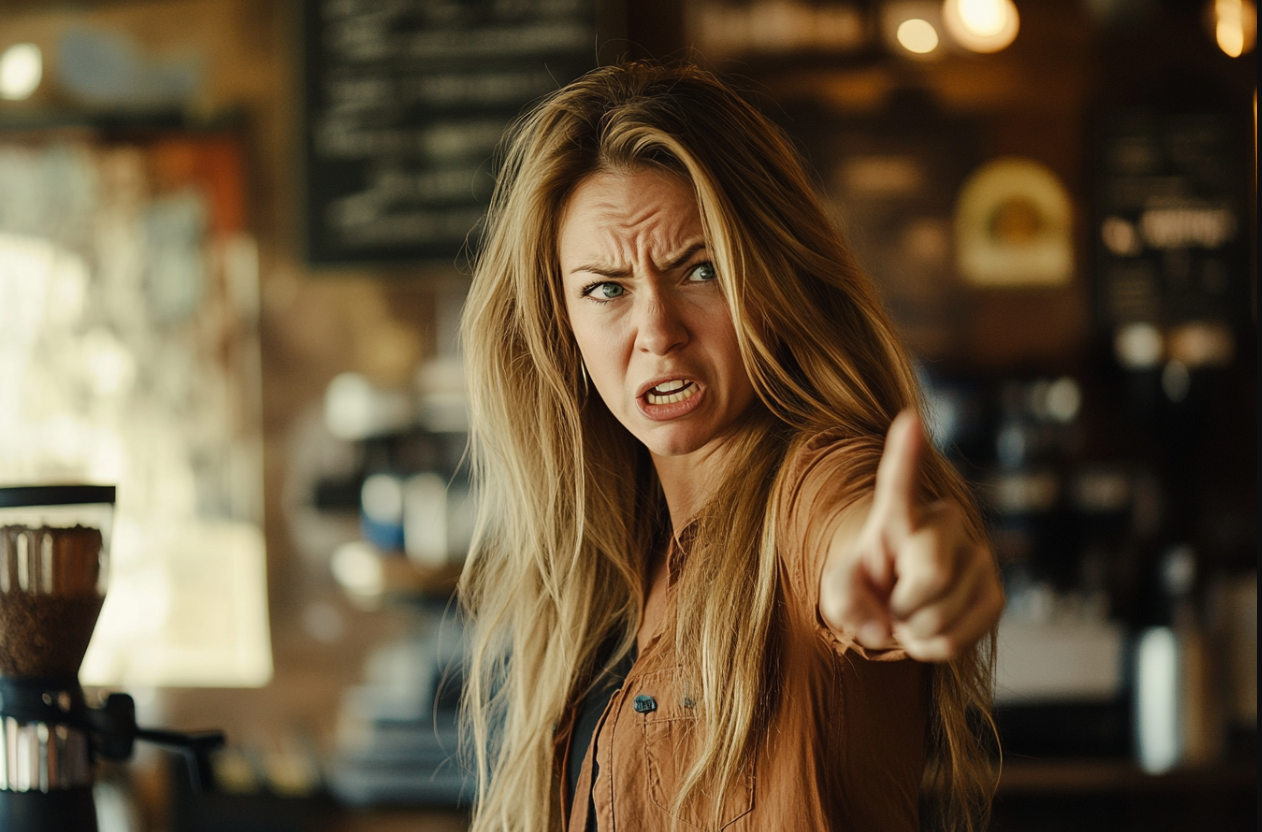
702, 273
603, 291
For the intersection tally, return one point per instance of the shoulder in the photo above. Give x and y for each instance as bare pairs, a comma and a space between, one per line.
829, 477
828, 469
825, 473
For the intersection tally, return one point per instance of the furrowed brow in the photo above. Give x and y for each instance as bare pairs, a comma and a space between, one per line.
605, 270
600, 269
682, 259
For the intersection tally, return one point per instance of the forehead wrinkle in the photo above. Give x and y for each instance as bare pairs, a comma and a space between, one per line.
630, 242
615, 234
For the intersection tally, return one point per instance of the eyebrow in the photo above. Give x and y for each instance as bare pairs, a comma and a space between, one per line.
610, 271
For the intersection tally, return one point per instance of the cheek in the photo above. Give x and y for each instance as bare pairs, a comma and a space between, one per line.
597, 344
583, 329
740, 389
730, 353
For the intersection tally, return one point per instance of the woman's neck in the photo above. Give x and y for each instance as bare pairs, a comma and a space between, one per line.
691, 479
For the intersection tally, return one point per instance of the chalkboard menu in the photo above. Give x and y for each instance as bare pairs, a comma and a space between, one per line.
405, 101
1172, 221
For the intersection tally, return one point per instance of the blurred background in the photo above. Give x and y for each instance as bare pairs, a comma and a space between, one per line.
234, 243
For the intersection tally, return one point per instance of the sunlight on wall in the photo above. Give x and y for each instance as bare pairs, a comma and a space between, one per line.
129, 356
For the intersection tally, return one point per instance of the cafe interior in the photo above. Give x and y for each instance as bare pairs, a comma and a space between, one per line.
235, 240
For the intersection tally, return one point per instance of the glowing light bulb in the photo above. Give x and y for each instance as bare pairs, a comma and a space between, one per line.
918, 36
1230, 39
1235, 26
21, 68
983, 17
981, 25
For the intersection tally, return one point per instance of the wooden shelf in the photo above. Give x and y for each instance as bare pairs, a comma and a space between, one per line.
1079, 776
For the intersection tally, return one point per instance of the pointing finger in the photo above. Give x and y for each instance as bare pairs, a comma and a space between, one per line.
898, 475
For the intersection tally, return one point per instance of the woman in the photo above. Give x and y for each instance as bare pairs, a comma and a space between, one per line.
697, 604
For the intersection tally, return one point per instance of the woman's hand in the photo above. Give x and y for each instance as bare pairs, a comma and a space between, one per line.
907, 575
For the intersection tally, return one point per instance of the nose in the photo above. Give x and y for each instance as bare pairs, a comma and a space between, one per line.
660, 326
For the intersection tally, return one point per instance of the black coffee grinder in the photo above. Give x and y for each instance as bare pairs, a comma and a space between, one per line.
54, 558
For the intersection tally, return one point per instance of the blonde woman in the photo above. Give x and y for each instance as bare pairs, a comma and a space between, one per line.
720, 580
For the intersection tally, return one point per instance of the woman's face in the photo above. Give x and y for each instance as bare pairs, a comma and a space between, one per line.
647, 313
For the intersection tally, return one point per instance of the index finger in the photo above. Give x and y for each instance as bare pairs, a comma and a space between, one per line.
898, 474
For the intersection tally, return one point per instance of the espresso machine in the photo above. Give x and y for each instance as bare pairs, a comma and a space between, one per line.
54, 563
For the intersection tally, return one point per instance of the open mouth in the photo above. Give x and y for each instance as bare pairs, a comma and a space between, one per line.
669, 392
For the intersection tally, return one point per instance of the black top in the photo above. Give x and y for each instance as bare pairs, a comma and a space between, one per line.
585, 727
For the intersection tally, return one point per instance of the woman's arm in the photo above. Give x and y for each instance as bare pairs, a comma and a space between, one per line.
898, 574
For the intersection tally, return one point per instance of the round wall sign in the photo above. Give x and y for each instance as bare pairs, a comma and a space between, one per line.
1014, 226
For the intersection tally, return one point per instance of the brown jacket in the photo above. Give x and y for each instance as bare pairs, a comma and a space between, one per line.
845, 747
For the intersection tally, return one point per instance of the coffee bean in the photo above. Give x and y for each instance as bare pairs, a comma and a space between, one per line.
50, 597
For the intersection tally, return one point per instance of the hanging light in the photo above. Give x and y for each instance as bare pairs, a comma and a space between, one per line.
913, 28
1234, 24
918, 36
21, 68
981, 25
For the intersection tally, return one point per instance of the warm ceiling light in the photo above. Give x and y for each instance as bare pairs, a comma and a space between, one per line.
918, 36
981, 25
1235, 25
982, 17
21, 68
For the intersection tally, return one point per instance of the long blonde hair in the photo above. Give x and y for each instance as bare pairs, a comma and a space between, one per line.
569, 501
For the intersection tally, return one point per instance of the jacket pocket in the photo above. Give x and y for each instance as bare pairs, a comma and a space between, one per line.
671, 743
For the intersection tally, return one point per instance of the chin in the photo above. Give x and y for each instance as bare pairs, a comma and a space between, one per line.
663, 450
679, 443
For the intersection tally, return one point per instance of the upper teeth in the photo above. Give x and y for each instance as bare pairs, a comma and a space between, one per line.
669, 392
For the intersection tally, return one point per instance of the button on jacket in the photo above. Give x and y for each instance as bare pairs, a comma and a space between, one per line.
844, 748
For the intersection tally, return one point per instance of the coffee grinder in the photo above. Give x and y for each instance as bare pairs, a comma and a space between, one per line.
54, 559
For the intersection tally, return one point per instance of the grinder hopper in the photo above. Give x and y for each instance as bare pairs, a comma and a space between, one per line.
54, 559
54, 556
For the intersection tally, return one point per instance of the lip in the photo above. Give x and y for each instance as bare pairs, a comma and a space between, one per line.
666, 412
